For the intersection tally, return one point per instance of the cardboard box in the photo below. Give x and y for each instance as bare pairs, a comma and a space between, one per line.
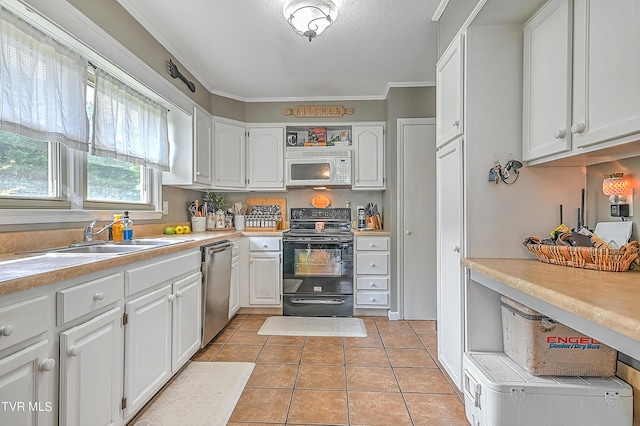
498, 392
543, 346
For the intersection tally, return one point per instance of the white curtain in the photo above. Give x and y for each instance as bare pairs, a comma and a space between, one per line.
127, 125
43, 85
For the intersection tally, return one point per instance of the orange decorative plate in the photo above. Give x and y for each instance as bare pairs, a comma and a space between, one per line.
320, 201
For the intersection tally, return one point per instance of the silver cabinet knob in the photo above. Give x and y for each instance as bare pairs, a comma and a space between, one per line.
372, 245
179, 293
265, 245
197, 173
73, 350
98, 296
577, 128
456, 122
373, 265
6, 331
456, 248
372, 284
47, 364
560, 134
407, 232
171, 297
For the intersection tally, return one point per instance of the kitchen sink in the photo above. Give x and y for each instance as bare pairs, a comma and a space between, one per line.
150, 242
100, 249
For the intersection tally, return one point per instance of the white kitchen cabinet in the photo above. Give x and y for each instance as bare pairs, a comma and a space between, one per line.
265, 271
547, 81
449, 84
606, 61
203, 156
266, 158
372, 267
368, 146
234, 291
25, 379
229, 154
450, 282
187, 319
91, 371
147, 351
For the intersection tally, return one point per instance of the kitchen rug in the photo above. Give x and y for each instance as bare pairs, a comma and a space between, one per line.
204, 393
313, 326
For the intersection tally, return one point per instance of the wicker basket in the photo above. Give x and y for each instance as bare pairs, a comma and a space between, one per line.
600, 259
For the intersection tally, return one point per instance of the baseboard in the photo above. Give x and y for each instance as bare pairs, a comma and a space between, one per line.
394, 316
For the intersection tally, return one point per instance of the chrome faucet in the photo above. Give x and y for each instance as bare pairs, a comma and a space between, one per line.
88, 231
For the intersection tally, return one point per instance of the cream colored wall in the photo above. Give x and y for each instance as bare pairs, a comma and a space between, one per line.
228, 108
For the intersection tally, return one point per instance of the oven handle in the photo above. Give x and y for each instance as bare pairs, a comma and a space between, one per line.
300, 301
316, 241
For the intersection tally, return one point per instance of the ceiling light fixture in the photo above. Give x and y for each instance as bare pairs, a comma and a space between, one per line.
309, 18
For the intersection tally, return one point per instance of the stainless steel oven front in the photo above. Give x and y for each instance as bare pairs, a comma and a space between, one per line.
318, 275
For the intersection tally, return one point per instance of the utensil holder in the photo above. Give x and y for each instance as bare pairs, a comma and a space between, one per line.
198, 223
238, 220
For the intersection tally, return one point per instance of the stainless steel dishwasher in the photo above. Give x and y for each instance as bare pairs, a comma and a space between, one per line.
216, 276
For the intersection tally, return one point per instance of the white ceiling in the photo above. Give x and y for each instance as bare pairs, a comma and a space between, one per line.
245, 49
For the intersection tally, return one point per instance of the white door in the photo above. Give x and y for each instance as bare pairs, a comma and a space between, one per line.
417, 256
606, 77
203, 155
229, 155
449, 92
264, 278
547, 81
266, 158
25, 378
91, 371
234, 291
187, 319
449, 191
147, 356
368, 148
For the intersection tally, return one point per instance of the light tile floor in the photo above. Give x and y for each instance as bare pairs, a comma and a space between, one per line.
391, 377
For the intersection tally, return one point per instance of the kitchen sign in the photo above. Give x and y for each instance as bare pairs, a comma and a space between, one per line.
320, 111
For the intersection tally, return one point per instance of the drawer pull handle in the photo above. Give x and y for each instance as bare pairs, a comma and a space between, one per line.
98, 296
372, 245
47, 364
373, 299
373, 265
6, 331
265, 245
373, 284
73, 350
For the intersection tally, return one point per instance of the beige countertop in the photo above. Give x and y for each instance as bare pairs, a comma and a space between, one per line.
373, 233
609, 299
37, 269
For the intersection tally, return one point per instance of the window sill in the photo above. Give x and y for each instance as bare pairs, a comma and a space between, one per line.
35, 216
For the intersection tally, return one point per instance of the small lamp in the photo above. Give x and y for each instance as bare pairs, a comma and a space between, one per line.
309, 18
616, 187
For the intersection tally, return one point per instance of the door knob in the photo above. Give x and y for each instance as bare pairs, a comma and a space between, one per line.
6, 331
47, 364
577, 128
73, 350
560, 134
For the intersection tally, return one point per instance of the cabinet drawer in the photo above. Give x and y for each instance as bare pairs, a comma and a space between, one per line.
264, 244
372, 243
372, 283
80, 300
372, 263
23, 320
143, 277
372, 298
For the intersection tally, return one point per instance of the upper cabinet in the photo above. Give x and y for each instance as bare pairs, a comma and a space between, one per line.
266, 158
594, 105
547, 81
449, 84
190, 138
229, 154
368, 147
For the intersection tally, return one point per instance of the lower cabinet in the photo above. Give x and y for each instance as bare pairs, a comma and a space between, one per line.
265, 272
91, 371
187, 317
25, 380
372, 272
234, 291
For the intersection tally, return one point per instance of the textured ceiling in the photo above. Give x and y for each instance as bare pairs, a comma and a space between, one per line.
244, 49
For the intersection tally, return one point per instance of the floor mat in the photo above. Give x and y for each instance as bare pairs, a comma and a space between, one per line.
313, 326
204, 393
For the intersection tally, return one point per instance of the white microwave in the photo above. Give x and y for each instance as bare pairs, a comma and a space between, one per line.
318, 167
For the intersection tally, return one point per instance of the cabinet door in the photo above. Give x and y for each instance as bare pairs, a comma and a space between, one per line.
91, 371
450, 282
234, 291
25, 380
368, 143
187, 319
606, 78
266, 158
547, 81
203, 154
229, 155
147, 355
264, 278
449, 86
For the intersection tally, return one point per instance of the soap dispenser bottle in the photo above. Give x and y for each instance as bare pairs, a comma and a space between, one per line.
128, 226
117, 229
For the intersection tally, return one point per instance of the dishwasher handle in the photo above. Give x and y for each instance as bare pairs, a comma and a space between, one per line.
216, 248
